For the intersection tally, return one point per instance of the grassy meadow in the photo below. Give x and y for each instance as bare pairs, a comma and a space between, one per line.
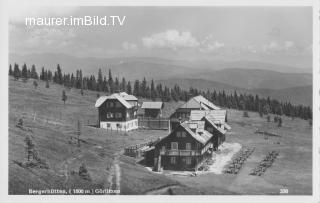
52, 126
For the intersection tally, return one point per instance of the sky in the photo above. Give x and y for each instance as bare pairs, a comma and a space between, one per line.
281, 35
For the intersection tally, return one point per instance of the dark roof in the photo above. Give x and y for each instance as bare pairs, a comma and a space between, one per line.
152, 105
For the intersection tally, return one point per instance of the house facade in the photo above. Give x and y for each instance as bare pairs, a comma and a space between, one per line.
118, 112
152, 109
185, 148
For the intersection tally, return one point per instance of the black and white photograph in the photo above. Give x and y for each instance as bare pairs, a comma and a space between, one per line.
162, 100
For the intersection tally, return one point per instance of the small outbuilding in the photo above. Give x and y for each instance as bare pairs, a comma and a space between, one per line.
152, 109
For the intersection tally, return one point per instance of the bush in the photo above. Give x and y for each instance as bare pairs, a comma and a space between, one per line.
245, 114
83, 172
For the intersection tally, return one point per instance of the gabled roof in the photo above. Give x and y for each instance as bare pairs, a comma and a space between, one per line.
100, 101
203, 138
152, 105
117, 96
217, 116
130, 98
199, 102
221, 130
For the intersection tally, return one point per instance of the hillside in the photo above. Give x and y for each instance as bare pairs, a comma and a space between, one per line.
52, 127
241, 74
256, 79
296, 95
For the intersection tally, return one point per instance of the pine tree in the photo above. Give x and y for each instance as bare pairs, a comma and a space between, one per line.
33, 73
10, 70
143, 88
58, 75
123, 85
64, 97
136, 88
16, 72
24, 72
110, 81
129, 88
100, 80
153, 91
29, 148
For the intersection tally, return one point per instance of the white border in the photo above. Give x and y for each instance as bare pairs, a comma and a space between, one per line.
4, 102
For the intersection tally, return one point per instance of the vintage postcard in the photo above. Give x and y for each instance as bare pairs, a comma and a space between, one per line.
182, 99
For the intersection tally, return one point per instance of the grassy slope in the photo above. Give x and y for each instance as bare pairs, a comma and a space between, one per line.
54, 123
52, 127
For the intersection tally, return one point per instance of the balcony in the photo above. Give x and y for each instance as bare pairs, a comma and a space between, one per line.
180, 152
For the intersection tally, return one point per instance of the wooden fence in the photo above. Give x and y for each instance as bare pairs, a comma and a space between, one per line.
154, 123
138, 149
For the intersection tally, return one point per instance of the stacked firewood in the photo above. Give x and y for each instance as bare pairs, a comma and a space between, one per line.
236, 164
265, 163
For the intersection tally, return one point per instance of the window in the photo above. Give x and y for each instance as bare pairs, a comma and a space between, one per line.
119, 125
118, 115
128, 115
173, 160
188, 160
111, 104
108, 125
110, 115
188, 146
163, 148
181, 134
198, 146
118, 105
174, 145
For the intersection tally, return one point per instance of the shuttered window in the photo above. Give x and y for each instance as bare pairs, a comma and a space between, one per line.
188, 146
174, 145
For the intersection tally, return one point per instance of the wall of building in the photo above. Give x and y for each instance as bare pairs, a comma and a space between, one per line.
120, 125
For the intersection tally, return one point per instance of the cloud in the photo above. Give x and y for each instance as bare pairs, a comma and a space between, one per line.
129, 46
170, 39
50, 37
289, 44
209, 44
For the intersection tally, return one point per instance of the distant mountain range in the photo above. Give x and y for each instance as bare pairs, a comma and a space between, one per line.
296, 95
277, 81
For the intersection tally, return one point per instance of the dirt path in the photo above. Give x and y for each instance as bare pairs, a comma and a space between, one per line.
115, 174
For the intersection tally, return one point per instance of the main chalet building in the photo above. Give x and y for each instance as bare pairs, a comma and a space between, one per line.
199, 128
118, 112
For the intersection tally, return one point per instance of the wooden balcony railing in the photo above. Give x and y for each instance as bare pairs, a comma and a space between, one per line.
180, 152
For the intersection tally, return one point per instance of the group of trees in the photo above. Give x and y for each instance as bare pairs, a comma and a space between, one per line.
150, 90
